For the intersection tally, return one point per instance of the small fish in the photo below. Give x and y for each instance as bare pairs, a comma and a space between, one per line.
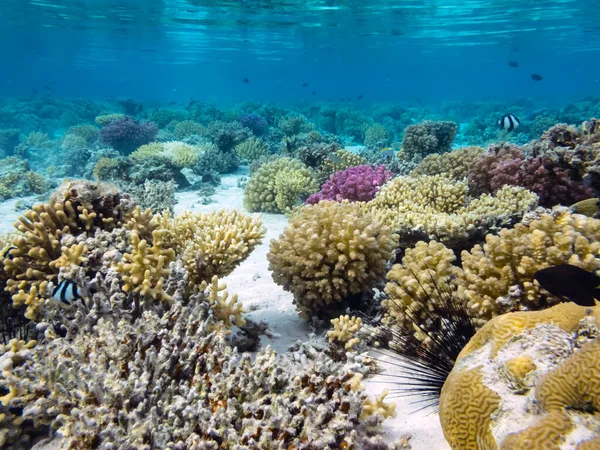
7, 254
314, 93
588, 207
387, 152
305, 84
570, 283
110, 98
537, 77
509, 122
246, 80
66, 292
335, 158
513, 64
360, 96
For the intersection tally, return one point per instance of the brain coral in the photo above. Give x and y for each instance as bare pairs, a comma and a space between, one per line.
355, 184
554, 402
279, 185
498, 276
329, 252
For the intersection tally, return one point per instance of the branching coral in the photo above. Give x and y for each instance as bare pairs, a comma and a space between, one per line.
279, 185
340, 160
344, 331
428, 137
188, 128
454, 164
377, 135
329, 252
226, 135
356, 184
127, 134
251, 150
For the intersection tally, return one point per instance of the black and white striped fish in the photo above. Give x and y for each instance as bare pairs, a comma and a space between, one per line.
509, 122
66, 292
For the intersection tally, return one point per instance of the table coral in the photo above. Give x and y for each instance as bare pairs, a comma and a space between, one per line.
329, 252
356, 184
279, 185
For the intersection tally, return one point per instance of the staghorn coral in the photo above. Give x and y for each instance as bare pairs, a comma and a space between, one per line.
355, 184
557, 360
344, 331
278, 186
498, 276
222, 309
329, 252
251, 150
454, 164
213, 243
428, 137
436, 207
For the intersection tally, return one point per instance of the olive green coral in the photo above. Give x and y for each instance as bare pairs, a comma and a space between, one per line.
328, 252
251, 149
279, 185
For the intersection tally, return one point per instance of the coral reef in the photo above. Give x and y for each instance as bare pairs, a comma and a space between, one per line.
344, 331
356, 184
540, 404
9, 139
339, 160
187, 128
16, 180
226, 135
278, 186
329, 252
254, 123
377, 136
428, 137
251, 150
127, 134
454, 164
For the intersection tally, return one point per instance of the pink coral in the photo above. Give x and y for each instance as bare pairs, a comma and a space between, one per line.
356, 184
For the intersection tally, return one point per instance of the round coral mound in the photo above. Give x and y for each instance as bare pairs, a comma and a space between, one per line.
328, 252
356, 184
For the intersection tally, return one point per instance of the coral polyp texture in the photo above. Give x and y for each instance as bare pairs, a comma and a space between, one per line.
356, 184
428, 137
126, 134
527, 380
439, 208
279, 185
454, 164
329, 252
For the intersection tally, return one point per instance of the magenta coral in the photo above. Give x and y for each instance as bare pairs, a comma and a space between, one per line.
127, 134
356, 184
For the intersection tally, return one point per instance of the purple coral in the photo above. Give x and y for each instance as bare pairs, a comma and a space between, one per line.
254, 122
127, 134
356, 184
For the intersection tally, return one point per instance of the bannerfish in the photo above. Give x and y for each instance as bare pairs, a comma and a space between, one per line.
66, 292
513, 64
570, 283
588, 207
537, 77
246, 80
387, 152
509, 122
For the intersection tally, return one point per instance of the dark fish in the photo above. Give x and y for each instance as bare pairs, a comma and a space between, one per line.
335, 158
7, 254
48, 88
360, 96
537, 77
570, 283
314, 93
246, 80
192, 103
513, 64
588, 207
110, 99
509, 122
66, 292
305, 84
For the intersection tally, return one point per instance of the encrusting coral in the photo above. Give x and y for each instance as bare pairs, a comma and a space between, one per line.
329, 252
279, 185
550, 397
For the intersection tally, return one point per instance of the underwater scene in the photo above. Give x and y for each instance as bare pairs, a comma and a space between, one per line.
300, 225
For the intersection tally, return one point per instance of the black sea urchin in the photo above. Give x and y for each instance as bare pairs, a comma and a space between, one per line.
425, 357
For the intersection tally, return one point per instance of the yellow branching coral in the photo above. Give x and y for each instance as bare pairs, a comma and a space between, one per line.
279, 185
144, 269
229, 312
379, 406
454, 164
344, 331
504, 266
70, 256
330, 251
213, 243
251, 150
142, 222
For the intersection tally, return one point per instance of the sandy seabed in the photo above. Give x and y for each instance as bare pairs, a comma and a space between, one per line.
267, 301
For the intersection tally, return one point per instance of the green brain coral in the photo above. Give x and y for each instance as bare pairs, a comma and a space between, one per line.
279, 185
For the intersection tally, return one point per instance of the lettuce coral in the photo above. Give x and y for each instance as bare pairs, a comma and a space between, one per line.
329, 252
355, 184
278, 186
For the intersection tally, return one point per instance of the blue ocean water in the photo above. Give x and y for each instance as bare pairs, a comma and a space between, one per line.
384, 50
